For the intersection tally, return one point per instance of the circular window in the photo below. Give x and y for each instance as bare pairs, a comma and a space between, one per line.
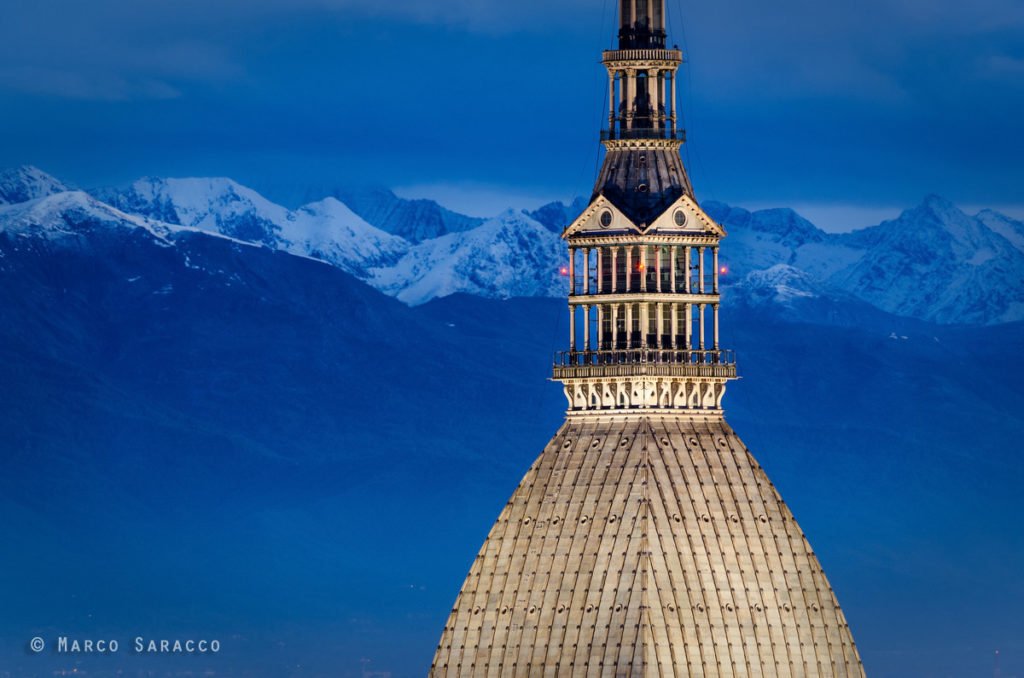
680, 218
642, 188
606, 219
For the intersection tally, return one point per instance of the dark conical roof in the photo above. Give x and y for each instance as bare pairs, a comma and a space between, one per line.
643, 183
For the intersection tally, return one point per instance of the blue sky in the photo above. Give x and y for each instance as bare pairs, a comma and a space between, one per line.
847, 110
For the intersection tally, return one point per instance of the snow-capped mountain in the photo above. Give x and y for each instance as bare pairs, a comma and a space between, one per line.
936, 263
557, 215
20, 184
511, 255
415, 220
326, 230
933, 262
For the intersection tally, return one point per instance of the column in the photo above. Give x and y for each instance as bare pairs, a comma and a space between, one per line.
701, 316
654, 90
615, 269
572, 328
629, 266
714, 255
586, 270
629, 325
688, 337
686, 265
657, 269
615, 326
611, 102
672, 274
663, 114
715, 307
586, 327
701, 270
645, 323
572, 271
643, 268
600, 269
674, 122
628, 96
660, 311
674, 342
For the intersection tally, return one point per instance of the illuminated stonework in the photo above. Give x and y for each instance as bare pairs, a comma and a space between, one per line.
645, 540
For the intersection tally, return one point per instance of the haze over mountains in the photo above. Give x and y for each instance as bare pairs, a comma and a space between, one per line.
291, 428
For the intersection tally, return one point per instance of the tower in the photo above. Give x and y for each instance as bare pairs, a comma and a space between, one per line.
645, 540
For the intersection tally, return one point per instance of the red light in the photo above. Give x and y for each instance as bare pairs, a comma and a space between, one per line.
723, 270
564, 270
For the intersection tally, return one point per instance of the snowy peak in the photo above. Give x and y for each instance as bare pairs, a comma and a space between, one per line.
557, 215
511, 255
21, 184
934, 262
216, 205
1011, 229
414, 220
781, 224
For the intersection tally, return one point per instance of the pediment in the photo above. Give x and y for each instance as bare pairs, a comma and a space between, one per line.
600, 217
684, 216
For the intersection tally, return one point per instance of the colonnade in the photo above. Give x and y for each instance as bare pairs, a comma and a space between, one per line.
649, 322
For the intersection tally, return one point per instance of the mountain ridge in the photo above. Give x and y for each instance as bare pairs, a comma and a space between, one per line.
933, 262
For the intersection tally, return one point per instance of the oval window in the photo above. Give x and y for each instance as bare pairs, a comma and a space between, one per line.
680, 218
606, 219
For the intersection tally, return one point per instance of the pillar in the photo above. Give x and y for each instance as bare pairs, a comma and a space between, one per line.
615, 269
674, 342
611, 102
629, 266
689, 274
674, 122
654, 90
572, 328
672, 274
701, 317
660, 310
628, 97
688, 336
572, 271
714, 276
700, 270
600, 269
586, 270
615, 326
586, 327
657, 269
629, 325
715, 307
645, 323
643, 268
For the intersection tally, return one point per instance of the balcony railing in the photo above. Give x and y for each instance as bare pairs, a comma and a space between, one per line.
642, 54
643, 133
641, 356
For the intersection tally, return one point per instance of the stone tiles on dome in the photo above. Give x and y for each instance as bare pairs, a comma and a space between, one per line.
646, 546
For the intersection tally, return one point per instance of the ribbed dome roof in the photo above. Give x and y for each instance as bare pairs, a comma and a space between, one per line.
646, 546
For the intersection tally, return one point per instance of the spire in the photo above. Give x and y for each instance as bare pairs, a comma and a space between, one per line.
641, 24
644, 265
